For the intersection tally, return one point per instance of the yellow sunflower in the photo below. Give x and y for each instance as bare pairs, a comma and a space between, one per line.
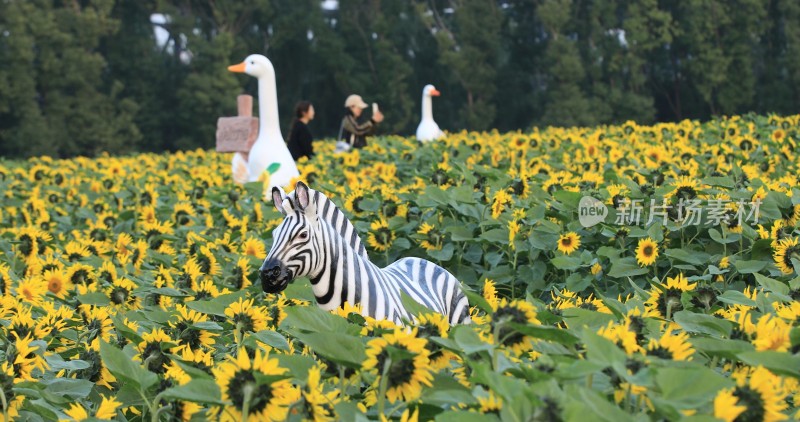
254, 247
97, 323
153, 350
513, 229
665, 304
107, 409
107, 272
57, 283
778, 135
206, 289
81, 274
772, 333
254, 388
756, 397
77, 412
515, 311
188, 335
192, 275
622, 336
685, 187
435, 325
490, 403
569, 243
5, 280
25, 359
238, 278
207, 261
380, 236
247, 317
32, 290
617, 195
500, 199
406, 372
76, 251
672, 345
354, 200
784, 252
646, 252
32, 241
124, 247
726, 406
121, 293
433, 237
182, 214
319, 404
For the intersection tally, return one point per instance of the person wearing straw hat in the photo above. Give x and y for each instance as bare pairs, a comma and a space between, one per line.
352, 133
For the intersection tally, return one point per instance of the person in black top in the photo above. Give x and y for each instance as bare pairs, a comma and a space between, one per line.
299, 141
353, 132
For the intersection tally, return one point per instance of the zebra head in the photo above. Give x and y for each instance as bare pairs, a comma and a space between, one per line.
293, 242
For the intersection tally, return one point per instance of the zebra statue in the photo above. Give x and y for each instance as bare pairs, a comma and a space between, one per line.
317, 240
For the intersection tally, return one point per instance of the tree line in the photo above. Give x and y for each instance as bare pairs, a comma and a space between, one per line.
79, 77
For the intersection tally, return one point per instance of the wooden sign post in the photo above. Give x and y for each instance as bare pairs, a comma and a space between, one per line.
238, 134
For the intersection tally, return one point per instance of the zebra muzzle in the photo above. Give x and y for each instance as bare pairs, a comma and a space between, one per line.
274, 276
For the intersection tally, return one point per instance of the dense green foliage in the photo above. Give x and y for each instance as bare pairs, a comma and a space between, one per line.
85, 77
134, 295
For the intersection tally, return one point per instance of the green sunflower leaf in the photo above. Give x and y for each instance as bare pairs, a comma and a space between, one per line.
780, 363
344, 349
703, 324
626, 267
123, 367
272, 339
691, 387
94, 299
749, 267
412, 306
197, 391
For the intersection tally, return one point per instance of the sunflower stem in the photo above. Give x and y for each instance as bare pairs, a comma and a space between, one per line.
514, 279
669, 309
497, 342
384, 385
341, 380
147, 402
237, 334
157, 414
248, 395
396, 408
5, 403
158, 408
149, 359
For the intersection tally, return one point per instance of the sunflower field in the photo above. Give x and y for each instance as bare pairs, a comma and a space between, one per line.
130, 290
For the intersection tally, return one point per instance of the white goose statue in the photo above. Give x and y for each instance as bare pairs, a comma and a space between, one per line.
269, 152
428, 130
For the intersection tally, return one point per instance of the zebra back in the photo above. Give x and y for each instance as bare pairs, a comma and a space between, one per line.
328, 211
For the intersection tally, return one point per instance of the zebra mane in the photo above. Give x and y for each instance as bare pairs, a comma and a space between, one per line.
328, 211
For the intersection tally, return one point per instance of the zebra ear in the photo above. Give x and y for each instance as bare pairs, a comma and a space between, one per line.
302, 195
277, 199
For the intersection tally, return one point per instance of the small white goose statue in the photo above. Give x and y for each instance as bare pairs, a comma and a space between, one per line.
269, 152
428, 130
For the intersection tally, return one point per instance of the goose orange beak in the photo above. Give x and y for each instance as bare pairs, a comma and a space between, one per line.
238, 68
435, 93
